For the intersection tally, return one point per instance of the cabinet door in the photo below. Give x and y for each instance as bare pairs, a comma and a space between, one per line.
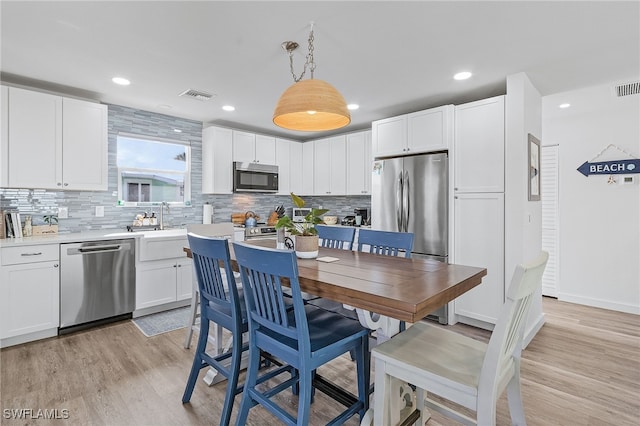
479, 241
338, 165
307, 169
155, 283
283, 161
430, 130
296, 178
244, 146
84, 136
34, 156
265, 149
217, 160
29, 298
359, 161
184, 279
390, 136
479, 146
322, 167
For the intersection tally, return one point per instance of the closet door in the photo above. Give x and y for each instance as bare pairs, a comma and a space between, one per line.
550, 231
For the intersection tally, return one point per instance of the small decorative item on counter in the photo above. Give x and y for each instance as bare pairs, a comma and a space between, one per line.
153, 220
138, 220
28, 228
145, 219
51, 226
305, 233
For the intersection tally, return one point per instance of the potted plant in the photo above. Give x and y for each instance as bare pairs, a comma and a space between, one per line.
305, 232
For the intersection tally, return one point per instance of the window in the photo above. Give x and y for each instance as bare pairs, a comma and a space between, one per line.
151, 171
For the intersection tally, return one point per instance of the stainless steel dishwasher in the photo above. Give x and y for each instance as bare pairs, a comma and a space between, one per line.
97, 282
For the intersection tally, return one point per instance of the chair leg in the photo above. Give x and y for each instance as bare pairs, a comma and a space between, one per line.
249, 385
197, 362
232, 380
381, 396
514, 396
304, 398
193, 312
363, 361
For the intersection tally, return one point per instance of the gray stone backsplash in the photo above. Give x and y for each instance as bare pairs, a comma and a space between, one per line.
81, 204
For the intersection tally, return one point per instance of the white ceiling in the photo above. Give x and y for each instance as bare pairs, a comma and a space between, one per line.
390, 57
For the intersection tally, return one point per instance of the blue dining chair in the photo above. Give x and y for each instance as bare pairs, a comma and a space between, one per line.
340, 237
221, 303
304, 338
385, 242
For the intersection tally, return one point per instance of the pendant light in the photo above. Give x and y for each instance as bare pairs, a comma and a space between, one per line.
310, 105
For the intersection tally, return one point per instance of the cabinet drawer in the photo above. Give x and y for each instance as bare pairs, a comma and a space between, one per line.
162, 248
29, 254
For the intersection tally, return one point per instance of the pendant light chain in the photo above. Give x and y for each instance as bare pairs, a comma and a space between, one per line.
309, 60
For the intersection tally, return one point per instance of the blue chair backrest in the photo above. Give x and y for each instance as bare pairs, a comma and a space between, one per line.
209, 255
263, 271
336, 237
385, 242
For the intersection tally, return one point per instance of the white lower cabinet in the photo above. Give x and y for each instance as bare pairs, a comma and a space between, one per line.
163, 271
479, 241
29, 293
163, 281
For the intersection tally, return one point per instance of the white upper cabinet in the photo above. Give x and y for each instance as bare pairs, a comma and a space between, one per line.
330, 166
84, 136
217, 160
479, 146
430, 130
422, 131
307, 169
252, 148
51, 142
389, 136
359, 162
296, 176
283, 161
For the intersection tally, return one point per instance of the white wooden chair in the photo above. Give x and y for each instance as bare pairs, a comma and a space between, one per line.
458, 368
206, 230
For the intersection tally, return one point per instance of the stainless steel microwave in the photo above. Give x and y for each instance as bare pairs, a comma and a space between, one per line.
254, 177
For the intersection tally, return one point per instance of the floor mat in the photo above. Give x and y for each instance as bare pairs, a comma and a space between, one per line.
162, 322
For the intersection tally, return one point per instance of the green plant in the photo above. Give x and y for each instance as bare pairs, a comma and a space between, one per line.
306, 228
50, 219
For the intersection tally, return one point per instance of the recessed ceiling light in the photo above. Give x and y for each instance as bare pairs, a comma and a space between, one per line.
564, 105
165, 106
229, 108
353, 107
121, 81
462, 75
177, 130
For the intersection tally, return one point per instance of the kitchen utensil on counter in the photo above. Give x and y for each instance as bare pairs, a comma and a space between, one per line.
251, 219
330, 220
238, 218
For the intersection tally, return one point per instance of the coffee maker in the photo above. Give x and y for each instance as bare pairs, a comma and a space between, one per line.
364, 213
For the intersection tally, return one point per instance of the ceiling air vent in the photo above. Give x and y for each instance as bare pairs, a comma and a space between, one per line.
197, 94
627, 89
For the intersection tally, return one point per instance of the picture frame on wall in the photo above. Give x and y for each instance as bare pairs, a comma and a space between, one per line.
534, 168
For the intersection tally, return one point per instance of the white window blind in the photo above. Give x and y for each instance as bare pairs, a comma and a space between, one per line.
550, 204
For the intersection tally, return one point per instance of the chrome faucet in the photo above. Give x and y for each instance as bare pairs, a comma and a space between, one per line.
162, 206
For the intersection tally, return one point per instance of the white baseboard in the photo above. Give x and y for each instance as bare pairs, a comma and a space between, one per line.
599, 303
160, 308
30, 337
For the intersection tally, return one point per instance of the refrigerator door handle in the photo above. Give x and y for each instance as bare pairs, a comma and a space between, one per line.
406, 207
399, 201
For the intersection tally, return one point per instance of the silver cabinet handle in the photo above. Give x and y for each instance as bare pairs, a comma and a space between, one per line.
32, 254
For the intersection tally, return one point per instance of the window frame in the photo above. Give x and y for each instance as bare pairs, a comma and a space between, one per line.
186, 202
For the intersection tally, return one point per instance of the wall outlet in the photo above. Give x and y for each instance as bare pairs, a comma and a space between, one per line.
99, 211
63, 212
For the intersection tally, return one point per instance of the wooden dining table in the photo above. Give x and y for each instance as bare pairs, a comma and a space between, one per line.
391, 289
405, 289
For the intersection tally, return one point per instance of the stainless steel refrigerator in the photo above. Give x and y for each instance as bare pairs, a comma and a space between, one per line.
410, 194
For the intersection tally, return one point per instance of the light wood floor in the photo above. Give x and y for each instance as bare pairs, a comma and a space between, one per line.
582, 368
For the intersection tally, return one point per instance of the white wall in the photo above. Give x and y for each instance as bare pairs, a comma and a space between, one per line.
523, 218
599, 223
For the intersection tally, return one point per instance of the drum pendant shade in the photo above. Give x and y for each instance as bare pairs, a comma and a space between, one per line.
311, 105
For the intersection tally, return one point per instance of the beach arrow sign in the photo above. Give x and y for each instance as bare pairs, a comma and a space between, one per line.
618, 167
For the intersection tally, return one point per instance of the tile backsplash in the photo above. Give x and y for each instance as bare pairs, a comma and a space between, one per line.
81, 204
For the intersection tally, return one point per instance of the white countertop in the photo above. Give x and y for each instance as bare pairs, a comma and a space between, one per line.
96, 235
